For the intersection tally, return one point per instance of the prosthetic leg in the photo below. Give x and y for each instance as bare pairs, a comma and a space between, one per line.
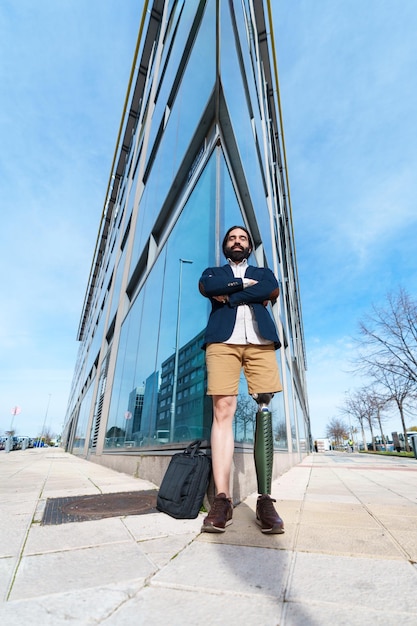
264, 444
266, 515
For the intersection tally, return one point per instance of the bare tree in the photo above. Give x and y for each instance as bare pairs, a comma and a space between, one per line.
369, 412
47, 436
388, 350
378, 401
280, 433
360, 406
337, 430
388, 337
245, 416
398, 390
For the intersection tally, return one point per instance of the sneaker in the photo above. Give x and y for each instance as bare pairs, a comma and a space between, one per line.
220, 515
267, 517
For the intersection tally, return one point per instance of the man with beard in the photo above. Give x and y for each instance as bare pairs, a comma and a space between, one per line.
240, 333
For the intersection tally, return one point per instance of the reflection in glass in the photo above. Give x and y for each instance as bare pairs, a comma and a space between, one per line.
143, 390
197, 84
291, 410
245, 417
302, 432
241, 117
82, 423
177, 348
204, 85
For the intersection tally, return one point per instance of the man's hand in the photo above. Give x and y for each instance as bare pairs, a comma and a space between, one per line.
222, 299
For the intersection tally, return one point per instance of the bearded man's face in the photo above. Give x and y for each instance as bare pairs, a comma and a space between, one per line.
237, 246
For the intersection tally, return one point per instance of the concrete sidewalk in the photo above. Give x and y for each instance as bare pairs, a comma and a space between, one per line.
348, 555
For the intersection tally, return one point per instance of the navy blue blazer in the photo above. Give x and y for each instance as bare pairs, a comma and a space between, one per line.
220, 281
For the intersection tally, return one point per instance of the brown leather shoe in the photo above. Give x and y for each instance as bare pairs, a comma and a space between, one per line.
267, 517
220, 515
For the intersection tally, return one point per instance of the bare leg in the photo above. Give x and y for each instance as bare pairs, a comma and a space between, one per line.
222, 441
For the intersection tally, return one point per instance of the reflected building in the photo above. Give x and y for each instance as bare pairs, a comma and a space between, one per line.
187, 415
134, 413
149, 408
200, 148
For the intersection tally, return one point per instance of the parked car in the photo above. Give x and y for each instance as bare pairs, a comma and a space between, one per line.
16, 443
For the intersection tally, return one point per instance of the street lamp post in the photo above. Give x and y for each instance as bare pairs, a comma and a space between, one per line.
177, 349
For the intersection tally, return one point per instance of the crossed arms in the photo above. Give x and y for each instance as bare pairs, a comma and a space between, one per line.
217, 284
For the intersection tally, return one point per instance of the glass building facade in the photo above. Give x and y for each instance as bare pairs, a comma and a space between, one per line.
200, 148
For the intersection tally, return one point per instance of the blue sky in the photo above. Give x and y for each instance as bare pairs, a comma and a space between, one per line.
63, 76
348, 89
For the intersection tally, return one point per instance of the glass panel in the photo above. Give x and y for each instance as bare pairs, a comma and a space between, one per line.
191, 99
117, 284
162, 335
230, 213
98, 334
279, 424
196, 86
245, 416
236, 100
244, 426
250, 68
146, 374
170, 68
119, 420
302, 432
292, 411
81, 431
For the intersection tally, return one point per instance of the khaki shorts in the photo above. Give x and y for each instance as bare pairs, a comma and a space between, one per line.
224, 363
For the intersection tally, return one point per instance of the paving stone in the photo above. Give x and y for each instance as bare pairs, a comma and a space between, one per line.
227, 569
77, 569
364, 583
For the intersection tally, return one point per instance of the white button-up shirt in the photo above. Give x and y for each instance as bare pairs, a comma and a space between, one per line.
246, 327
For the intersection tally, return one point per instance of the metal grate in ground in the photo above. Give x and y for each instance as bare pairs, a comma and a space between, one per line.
98, 506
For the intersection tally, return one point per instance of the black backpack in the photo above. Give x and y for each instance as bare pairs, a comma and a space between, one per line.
185, 483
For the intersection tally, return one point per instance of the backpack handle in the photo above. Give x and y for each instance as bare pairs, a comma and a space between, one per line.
193, 447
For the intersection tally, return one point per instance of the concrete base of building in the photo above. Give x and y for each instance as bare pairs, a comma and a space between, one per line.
152, 467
